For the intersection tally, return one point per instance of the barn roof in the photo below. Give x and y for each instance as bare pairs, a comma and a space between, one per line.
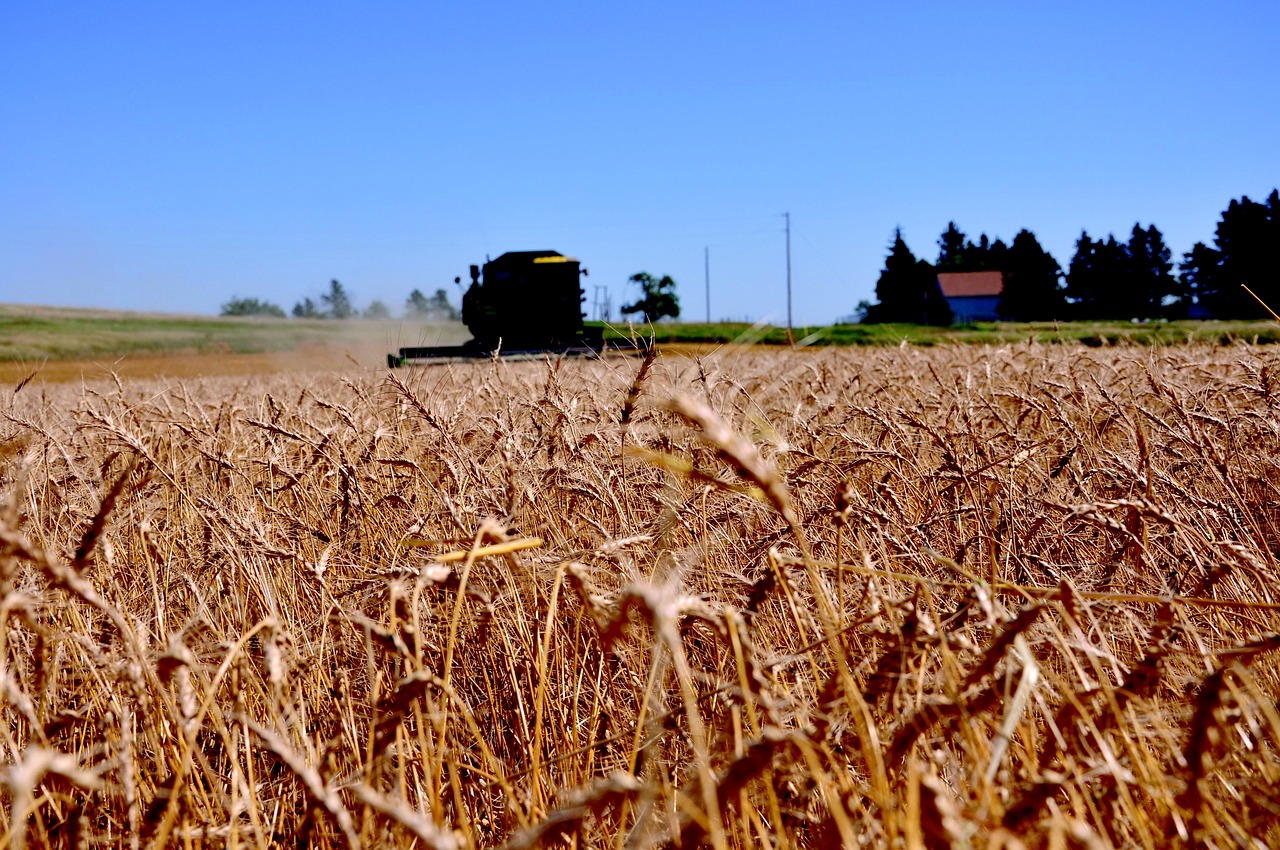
970, 284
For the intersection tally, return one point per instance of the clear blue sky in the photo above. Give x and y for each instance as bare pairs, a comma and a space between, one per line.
166, 156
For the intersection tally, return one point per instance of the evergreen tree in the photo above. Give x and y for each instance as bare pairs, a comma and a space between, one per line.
306, 309
1247, 240
1032, 289
1097, 279
338, 301
908, 290
1200, 273
1151, 287
955, 255
1083, 281
1118, 280
953, 252
995, 257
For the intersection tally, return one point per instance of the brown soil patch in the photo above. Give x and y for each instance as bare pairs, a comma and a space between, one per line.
308, 358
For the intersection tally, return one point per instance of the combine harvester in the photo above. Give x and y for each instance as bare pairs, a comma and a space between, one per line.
527, 305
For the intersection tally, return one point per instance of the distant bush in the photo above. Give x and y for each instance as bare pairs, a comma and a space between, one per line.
251, 307
436, 308
377, 310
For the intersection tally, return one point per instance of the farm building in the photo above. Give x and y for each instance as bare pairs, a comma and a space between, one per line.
972, 296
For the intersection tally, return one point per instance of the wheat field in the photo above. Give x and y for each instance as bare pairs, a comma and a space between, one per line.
1024, 596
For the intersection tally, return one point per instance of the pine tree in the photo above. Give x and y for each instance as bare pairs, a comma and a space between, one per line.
908, 290
338, 301
1200, 273
953, 252
1151, 286
1246, 242
305, 309
1083, 281
1119, 280
1032, 289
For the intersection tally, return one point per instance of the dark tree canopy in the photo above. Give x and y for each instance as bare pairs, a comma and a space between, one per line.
953, 254
1152, 289
957, 253
1246, 248
1093, 277
1107, 278
1199, 273
1125, 280
908, 290
251, 307
657, 298
1032, 282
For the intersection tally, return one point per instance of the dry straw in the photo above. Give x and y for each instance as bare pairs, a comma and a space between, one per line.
1000, 597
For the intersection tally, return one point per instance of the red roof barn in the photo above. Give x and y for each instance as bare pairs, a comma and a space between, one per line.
973, 296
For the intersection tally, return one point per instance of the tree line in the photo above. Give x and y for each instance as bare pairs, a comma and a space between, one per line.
336, 303
1106, 278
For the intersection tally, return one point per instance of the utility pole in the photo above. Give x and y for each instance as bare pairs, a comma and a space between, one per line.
790, 339
706, 268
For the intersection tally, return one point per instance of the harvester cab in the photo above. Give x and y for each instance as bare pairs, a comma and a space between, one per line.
522, 304
526, 300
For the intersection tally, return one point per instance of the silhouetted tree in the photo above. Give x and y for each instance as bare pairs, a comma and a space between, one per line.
996, 256
306, 309
1152, 289
339, 303
958, 253
953, 253
1032, 290
657, 297
251, 307
1247, 245
908, 290
1118, 280
1094, 278
1199, 273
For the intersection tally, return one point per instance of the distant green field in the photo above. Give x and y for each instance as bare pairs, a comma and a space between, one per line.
1087, 333
34, 334
56, 333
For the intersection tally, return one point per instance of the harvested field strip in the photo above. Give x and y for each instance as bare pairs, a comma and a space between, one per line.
959, 596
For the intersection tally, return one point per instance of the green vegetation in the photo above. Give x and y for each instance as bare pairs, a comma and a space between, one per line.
251, 307
986, 333
437, 307
657, 300
49, 333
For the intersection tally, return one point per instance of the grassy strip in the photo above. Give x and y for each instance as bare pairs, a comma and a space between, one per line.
50, 333
990, 333
43, 333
